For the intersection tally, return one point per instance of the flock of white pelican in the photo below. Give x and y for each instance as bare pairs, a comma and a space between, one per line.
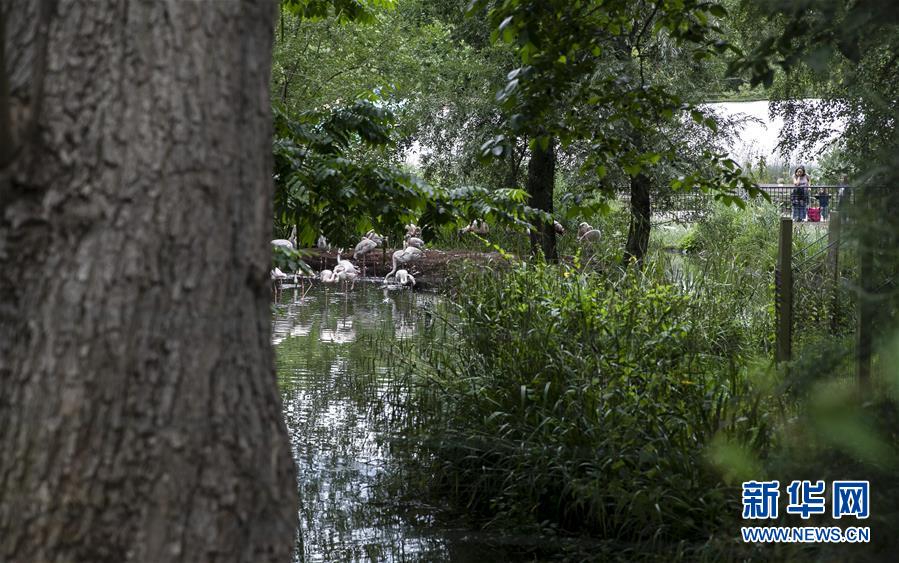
346, 272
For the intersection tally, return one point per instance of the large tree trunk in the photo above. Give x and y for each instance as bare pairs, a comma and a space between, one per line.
541, 180
140, 418
641, 213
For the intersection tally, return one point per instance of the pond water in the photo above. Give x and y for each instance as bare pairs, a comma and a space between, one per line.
334, 371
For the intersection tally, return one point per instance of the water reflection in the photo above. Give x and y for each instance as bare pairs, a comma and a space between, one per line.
331, 368
334, 375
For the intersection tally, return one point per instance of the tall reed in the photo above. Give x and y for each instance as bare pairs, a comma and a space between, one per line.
584, 402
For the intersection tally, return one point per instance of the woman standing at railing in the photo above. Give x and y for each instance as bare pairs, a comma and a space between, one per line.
799, 196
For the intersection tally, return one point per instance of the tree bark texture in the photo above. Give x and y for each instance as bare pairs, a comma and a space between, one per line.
140, 418
541, 181
641, 213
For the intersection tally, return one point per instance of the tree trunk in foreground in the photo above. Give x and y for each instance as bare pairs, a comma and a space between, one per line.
641, 213
140, 418
541, 181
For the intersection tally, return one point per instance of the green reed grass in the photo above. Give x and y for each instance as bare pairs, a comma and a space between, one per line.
582, 402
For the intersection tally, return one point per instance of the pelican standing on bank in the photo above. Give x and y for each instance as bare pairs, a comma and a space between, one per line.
288, 243
369, 242
404, 256
414, 241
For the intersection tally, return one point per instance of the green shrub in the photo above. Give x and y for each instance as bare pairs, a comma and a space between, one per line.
584, 403
749, 233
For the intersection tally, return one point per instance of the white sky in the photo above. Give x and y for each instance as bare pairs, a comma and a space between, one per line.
756, 138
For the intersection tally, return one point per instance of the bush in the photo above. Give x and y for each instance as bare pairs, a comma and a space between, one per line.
584, 403
750, 233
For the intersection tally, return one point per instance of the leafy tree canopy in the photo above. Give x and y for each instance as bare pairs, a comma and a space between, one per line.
343, 10
352, 94
583, 78
321, 190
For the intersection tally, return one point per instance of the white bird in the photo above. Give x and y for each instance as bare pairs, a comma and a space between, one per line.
414, 241
328, 276
374, 236
587, 233
369, 242
345, 276
558, 228
404, 256
403, 277
478, 227
322, 243
413, 230
345, 270
365, 246
343, 265
278, 278
288, 243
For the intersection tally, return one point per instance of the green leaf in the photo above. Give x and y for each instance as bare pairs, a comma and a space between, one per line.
718, 10
508, 35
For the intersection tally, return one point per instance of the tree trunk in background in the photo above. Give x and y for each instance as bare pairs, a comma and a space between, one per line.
140, 418
541, 180
514, 158
641, 213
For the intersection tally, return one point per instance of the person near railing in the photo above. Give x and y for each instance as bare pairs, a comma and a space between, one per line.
800, 195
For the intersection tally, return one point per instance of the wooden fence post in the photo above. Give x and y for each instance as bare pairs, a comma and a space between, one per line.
833, 267
783, 283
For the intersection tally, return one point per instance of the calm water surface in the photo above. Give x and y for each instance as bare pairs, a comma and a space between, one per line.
334, 372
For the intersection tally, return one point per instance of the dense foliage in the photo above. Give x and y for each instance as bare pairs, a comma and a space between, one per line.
618, 116
591, 73
585, 401
627, 405
588, 397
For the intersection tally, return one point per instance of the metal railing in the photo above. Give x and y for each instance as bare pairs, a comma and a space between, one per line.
824, 199
692, 205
